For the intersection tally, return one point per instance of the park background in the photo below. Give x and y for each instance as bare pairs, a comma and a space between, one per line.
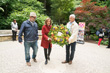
95, 13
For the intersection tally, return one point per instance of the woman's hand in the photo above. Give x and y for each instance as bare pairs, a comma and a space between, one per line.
49, 39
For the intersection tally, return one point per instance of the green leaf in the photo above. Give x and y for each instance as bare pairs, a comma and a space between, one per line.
1, 9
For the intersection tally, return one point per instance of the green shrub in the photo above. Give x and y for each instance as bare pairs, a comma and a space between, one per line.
21, 16
20, 10
104, 42
91, 37
94, 37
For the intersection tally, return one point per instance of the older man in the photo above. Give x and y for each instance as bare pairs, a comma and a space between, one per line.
73, 28
30, 30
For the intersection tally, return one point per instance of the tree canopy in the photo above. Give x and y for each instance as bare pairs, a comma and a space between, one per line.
93, 12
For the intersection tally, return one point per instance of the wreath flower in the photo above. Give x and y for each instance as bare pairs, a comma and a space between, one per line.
59, 34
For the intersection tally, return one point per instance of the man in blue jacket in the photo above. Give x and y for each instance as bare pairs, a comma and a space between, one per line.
30, 30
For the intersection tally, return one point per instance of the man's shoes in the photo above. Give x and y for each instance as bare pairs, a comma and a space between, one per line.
46, 62
65, 62
70, 62
28, 64
34, 60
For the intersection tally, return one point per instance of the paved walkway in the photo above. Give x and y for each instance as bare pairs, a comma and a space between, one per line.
89, 58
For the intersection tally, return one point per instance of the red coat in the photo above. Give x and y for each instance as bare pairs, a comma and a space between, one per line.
44, 42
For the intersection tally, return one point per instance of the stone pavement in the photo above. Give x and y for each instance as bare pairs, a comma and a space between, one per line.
89, 58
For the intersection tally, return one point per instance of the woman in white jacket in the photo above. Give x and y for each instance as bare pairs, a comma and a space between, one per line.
14, 28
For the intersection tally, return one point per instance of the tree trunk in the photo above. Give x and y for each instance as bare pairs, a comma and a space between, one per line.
59, 22
45, 4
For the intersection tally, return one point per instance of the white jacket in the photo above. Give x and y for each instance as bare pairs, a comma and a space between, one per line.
73, 31
14, 26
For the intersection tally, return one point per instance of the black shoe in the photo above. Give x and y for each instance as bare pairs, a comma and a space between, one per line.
107, 47
46, 62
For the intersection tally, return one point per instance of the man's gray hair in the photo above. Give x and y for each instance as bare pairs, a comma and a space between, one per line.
72, 15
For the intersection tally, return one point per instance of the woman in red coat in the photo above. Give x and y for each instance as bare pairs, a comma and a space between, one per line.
46, 41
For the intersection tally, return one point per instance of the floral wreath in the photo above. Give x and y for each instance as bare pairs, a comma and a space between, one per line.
59, 34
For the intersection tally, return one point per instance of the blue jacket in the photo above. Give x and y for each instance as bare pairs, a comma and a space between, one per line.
30, 32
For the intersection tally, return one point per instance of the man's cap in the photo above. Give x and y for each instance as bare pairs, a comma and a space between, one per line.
32, 14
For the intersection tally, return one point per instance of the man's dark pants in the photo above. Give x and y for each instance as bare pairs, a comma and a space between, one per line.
109, 42
70, 55
14, 35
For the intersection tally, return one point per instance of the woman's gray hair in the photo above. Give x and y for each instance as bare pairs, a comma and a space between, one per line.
72, 15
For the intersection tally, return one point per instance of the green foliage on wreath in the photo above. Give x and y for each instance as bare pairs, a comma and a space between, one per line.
59, 34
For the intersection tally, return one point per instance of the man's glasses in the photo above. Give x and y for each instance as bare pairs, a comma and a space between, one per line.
33, 17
